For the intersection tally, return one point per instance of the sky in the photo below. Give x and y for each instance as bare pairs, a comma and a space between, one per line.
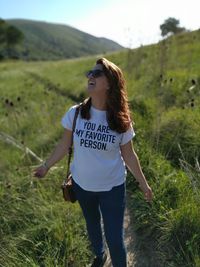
130, 23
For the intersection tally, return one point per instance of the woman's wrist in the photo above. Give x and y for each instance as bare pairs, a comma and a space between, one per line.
143, 185
47, 167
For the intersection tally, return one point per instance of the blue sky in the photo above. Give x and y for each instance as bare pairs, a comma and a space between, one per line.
128, 22
48, 10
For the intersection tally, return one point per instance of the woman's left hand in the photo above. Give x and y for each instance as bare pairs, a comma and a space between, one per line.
148, 194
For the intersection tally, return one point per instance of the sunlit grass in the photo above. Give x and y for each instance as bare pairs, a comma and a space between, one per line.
37, 228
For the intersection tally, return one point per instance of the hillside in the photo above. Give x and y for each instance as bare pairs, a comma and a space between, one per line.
48, 41
37, 227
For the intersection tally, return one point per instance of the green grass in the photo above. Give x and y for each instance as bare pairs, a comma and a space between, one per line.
37, 228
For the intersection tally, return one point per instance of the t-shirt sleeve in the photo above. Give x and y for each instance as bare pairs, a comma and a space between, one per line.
127, 136
67, 119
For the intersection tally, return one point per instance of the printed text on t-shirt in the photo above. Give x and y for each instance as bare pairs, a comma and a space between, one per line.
95, 136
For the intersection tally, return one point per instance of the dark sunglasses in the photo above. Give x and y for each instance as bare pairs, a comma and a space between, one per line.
94, 73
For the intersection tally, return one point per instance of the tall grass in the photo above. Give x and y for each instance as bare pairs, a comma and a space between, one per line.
37, 228
166, 107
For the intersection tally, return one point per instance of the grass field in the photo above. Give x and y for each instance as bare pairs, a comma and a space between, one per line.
37, 228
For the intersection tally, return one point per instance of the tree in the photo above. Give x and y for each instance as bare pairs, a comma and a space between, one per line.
9, 37
13, 35
2, 31
171, 25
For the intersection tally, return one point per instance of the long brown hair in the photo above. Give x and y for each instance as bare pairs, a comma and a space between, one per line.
117, 109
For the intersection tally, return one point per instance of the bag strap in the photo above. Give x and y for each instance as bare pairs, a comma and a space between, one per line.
70, 148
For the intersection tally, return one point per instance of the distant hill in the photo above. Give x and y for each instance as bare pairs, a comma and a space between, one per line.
48, 41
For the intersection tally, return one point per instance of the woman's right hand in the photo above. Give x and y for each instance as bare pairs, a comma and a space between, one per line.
40, 172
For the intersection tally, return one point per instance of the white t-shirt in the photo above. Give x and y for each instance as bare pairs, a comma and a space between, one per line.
97, 164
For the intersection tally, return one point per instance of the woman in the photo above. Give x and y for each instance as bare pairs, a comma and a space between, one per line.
102, 148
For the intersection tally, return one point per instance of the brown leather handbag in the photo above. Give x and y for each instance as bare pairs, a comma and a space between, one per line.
67, 187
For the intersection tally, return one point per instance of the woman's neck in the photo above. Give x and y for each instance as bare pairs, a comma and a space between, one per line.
99, 104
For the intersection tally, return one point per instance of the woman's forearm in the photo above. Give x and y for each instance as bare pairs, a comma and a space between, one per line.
59, 152
133, 164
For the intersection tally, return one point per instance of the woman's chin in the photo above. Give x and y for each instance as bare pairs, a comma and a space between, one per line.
91, 87
90, 90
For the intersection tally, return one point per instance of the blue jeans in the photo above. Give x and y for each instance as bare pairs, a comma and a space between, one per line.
111, 205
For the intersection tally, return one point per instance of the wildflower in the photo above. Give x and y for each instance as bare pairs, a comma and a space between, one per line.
193, 81
8, 184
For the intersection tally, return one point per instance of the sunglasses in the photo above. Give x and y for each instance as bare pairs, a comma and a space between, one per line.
94, 73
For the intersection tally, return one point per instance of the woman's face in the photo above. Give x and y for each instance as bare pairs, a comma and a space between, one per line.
97, 81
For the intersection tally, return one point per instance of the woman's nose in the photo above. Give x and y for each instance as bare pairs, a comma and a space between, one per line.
90, 75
